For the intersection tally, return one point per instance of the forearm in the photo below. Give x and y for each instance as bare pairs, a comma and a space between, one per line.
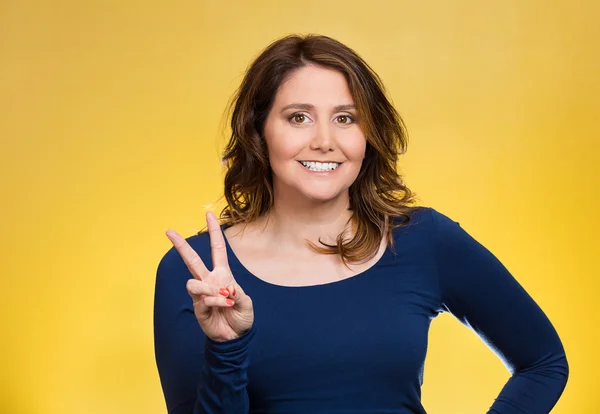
534, 390
224, 377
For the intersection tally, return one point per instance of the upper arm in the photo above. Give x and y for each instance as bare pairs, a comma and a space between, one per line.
478, 289
178, 338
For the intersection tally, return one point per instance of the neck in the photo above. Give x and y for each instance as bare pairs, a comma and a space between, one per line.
291, 221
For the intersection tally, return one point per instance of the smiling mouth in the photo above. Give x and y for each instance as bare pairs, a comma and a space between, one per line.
320, 166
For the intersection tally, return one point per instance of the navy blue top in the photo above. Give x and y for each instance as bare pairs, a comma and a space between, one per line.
367, 355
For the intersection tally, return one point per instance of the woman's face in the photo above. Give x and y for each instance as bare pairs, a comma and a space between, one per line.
315, 144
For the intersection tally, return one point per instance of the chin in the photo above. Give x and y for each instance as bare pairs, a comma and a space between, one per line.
321, 195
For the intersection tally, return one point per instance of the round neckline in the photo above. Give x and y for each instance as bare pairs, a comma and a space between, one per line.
231, 255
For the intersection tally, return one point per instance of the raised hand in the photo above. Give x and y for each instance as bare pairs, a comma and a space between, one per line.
222, 308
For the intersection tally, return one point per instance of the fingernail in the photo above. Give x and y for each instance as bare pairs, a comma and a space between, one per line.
224, 292
234, 291
230, 302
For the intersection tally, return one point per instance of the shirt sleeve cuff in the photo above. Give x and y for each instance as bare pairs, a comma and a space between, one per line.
230, 347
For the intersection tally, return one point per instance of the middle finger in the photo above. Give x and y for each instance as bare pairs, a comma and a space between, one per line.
191, 259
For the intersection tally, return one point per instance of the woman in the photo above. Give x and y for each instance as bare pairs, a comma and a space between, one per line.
324, 275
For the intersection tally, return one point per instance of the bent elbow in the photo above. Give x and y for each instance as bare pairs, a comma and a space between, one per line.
553, 365
563, 367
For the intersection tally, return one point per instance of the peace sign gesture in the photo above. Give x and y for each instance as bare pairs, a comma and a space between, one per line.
222, 308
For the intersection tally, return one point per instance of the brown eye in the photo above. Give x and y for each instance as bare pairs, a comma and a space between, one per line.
345, 119
299, 118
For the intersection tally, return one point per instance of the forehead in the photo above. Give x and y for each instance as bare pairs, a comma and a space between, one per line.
315, 85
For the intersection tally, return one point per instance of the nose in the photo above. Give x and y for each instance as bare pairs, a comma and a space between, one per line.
323, 139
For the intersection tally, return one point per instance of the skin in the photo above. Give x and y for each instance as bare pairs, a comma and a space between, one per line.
324, 127
222, 308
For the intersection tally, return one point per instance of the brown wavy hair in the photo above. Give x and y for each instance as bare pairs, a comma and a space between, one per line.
378, 194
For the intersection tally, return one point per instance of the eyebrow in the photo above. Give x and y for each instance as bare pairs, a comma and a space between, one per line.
308, 107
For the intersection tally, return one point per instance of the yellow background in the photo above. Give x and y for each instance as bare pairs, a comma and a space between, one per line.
110, 133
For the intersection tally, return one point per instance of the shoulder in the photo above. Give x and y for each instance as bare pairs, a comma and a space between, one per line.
422, 217
427, 226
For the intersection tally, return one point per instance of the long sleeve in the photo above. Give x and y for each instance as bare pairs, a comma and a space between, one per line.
478, 290
198, 375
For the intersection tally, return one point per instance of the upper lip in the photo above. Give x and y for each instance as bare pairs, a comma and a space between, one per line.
324, 162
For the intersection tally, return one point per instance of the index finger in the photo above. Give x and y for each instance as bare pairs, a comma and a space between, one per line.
191, 259
218, 247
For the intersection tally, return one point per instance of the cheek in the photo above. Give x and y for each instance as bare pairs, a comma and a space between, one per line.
281, 149
354, 146
283, 144
280, 153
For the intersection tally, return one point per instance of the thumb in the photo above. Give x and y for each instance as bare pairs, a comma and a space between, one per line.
242, 301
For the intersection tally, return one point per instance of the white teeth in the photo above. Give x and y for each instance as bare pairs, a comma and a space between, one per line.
320, 166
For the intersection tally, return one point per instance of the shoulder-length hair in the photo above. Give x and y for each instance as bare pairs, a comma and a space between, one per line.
378, 194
